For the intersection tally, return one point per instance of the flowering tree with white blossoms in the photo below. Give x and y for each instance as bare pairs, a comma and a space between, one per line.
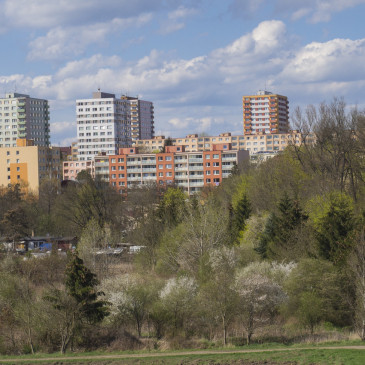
177, 299
259, 286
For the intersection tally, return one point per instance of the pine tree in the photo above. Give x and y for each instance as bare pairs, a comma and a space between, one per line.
80, 284
239, 216
78, 303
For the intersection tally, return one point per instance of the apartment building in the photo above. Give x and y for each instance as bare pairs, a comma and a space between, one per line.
27, 164
23, 117
266, 113
141, 114
71, 168
192, 171
106, 123
256, 144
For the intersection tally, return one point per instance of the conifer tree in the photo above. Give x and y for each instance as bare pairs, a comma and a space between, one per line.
239, 215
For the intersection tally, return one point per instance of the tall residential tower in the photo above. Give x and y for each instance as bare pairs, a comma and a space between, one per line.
266, 113
23, 117
106, 123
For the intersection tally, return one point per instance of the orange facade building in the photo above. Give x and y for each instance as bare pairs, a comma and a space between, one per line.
191, 171
265, 113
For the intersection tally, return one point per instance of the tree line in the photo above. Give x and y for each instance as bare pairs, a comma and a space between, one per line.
275, 251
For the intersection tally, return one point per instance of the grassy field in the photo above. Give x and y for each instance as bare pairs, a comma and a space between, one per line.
334, 353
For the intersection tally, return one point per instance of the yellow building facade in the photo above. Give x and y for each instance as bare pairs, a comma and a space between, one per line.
27, 165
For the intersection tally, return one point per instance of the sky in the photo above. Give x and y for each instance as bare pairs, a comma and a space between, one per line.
194, 59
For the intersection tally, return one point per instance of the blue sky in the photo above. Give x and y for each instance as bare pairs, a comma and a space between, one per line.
194, 59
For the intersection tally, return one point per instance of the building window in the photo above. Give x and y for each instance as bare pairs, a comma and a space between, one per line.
215, 156
216, 172
215, 164
207, 164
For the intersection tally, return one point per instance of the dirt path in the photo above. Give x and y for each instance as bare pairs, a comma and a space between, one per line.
166, 354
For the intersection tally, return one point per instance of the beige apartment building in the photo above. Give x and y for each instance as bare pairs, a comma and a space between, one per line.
255, 144
27, 164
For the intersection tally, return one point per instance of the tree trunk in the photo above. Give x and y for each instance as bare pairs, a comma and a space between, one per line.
248, 337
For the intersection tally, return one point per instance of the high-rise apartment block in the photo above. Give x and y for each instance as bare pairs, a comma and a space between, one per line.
23, 117
106, 123
266, 113
141, 114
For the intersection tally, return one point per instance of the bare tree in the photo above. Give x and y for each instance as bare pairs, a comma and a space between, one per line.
331, 145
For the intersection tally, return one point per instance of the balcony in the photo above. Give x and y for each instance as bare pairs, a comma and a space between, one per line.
180, 160
149, 169
200, 183
149, 178
133, 163
196, 159
184, 168
132, 171
136, 178
196, 168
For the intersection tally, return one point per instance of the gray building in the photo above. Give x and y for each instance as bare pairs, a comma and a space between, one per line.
23, 117
106, 123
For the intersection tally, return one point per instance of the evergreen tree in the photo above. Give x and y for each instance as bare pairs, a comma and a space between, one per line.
334, 233
278, 236
78, 304
239, 215
80, 284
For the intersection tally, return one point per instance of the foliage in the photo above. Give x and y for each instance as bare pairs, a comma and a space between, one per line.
77, 303
334, 228
260, 294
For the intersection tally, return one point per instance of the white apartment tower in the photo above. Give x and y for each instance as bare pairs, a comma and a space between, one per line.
23, 117
106, 123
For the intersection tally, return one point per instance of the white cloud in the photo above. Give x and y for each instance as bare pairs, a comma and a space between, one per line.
61, 43
176, 18
314, 11
49, 14
336, 60
203, 93
63, 132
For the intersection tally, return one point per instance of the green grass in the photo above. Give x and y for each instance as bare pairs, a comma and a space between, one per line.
295, 354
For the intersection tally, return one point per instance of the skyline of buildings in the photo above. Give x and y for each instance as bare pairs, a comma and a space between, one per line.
110, 126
